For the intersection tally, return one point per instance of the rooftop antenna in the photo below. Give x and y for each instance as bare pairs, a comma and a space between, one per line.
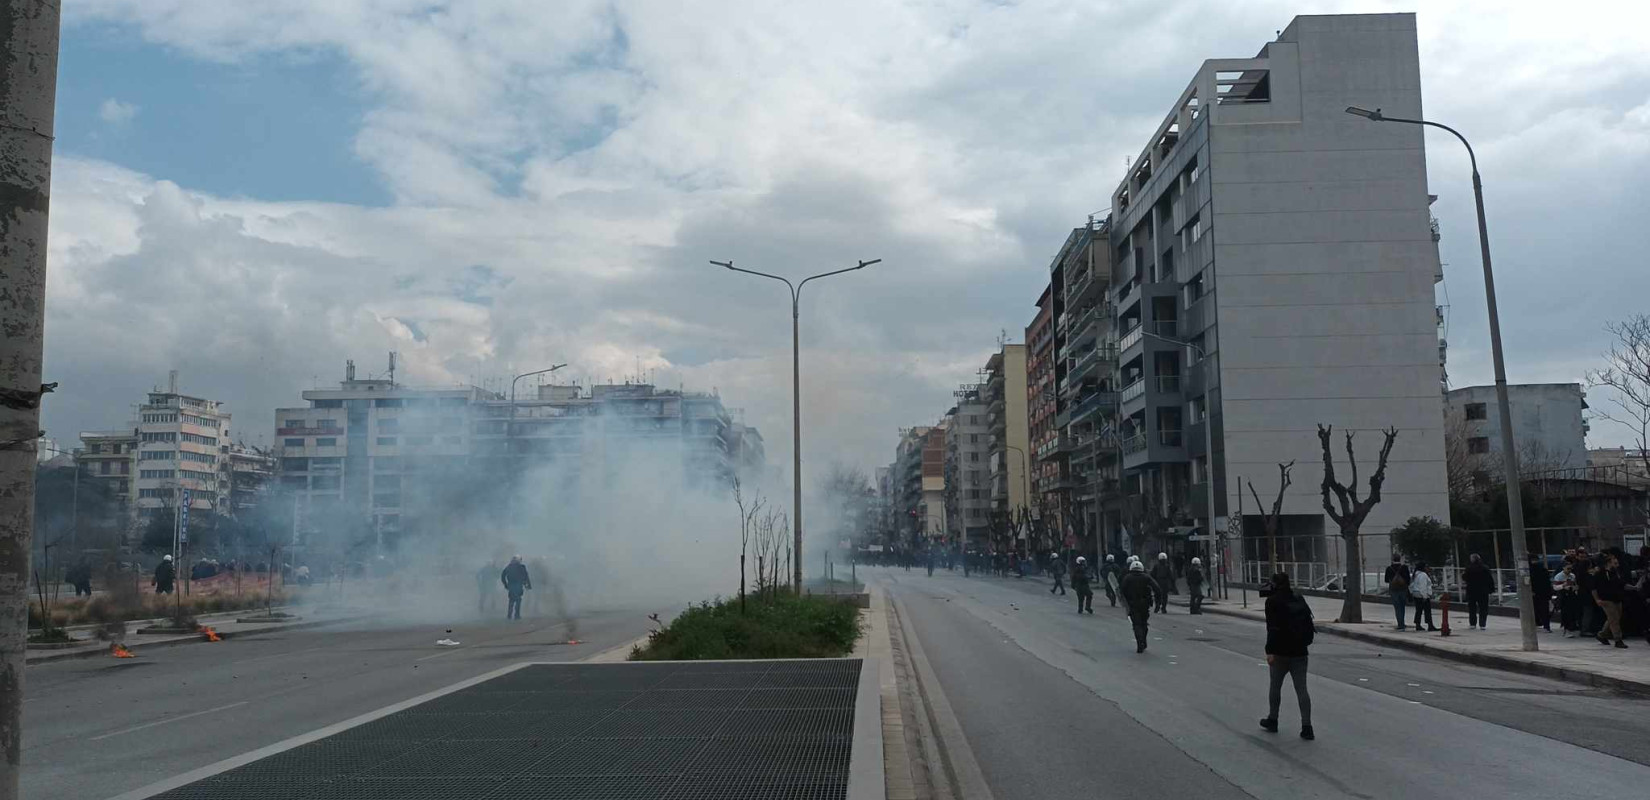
172, 382
349, 369
392, 368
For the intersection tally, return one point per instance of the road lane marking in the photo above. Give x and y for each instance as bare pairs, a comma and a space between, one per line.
437, 655
147, 725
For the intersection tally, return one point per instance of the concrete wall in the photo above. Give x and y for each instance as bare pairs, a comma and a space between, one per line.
1018, 427
1548, 427
1324, 266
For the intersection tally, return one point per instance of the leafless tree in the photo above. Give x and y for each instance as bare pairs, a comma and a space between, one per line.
1352, 512
1270, 519
1627, 375
748, 510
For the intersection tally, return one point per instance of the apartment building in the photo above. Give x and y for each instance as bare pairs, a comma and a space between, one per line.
251, 471
181, 444
1273, 263
107, 457
1549, 428
910, 512
1050, 449
967, 461
1010, 440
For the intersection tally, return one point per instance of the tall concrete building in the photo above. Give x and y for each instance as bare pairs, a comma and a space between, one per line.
910, 512
107, 457
932, 520
967, 475
181, 441
1549, 428
1273, 268
1010, 441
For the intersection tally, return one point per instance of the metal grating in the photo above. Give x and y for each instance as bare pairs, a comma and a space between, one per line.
776, 730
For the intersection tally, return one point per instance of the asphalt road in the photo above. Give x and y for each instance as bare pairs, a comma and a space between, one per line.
1056, 705
95, 728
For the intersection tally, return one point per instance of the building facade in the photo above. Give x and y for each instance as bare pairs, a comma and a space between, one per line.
1009, 443
1549, 428
1086, 384
107, 457
967, 462
181, 444
1273, 263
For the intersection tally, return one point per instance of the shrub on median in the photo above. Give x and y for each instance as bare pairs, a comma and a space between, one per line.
781, 626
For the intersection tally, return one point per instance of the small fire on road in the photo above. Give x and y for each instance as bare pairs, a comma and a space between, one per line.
211, 635
119, 650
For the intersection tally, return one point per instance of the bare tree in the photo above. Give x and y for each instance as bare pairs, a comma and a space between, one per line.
1352, 512
747, 524
1627, 375
1270, 520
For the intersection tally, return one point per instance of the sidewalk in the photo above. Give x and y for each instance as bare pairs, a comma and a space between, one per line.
224, 624
1579, 660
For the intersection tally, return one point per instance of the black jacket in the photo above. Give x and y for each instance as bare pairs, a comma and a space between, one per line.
1079, 577
1478, 579
1281, 638
1194, 578
164, 574
1138, 590
515, 578
1541, 581
1397, 570
1609, 586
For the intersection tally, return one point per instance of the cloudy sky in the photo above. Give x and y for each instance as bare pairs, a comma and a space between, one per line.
251, 193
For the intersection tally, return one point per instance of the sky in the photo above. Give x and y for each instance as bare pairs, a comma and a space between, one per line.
252, 193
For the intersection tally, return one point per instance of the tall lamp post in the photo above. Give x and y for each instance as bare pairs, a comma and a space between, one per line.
1208, 432
510, 435
1509, 453
796, 399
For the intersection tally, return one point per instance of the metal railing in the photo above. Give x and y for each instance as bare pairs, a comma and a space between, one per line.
1170, 438
1165, 327
1133, 390
1168, 383
1131, 338
1135, 443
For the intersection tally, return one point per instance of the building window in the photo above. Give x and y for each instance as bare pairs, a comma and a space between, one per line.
418, 441
973, 456
293, 442
386, 440
454, 402
387, 402
973, 438
1477, 411
125, 467
94, 448
295, 423
1478, 444
328, 441
327, 404
389, 425
453, 439
1194, 231
105, 468
1194, 290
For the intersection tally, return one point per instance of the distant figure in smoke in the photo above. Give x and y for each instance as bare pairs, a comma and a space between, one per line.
484, 587
165, 574
515, 581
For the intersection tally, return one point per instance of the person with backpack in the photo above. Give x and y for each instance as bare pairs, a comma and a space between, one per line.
1478, 583
1289, 632
1420, 590
1080, 584
1397, 584
1139, 591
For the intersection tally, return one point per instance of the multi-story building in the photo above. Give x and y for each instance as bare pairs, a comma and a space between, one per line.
106, 457
1010, 443
1050, 448
967, 461
909, 509
1548, 426
1273, 263
181, 442
250, 470
932, 520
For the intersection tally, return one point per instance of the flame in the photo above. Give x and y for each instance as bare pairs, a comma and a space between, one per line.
211, 635
573, 641
119, 650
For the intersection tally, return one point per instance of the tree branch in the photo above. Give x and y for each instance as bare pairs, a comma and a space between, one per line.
1329, 484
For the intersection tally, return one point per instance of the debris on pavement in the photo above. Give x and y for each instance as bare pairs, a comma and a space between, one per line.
447, 642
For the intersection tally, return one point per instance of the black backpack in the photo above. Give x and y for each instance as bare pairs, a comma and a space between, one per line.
1300, 620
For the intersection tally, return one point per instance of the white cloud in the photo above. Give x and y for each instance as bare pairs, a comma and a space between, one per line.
116, 112
591, 157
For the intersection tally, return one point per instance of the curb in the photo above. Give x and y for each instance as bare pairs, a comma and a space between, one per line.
93, 652
1490, 660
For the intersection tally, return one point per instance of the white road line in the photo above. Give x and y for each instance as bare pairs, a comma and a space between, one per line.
146, 725
438, 655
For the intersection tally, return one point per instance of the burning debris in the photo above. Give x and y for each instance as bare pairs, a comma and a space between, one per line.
211, 635
119, 650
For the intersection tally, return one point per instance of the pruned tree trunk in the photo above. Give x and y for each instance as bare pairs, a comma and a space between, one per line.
1352, 511
1270, 520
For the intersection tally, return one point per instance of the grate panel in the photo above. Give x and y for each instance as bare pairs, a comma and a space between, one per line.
457, 759
704, 699
796, 722
589, 787
823, 757
725, 666
673, 722
799, 698
324, 760
530, 726
721, 787
404, 789
222, 788
711, 680
413, 727
617, 757
835, 679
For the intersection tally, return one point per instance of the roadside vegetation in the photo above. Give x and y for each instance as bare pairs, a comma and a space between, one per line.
775, 625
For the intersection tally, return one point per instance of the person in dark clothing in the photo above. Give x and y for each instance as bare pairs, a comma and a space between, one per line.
80, 577
516, 582
1569, 599
165, 575
1163, 574
1591, 615
1289, 633
1080, 585
1610, 589
1058, 568
1109, 575
1397, 584
1541, 588
1194, 585
1478, 583
1139, 591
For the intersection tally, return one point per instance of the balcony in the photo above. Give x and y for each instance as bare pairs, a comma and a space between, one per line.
1134, 444
1168, 383
1174, 438
1133, 390
1131, 338
1076, 287
1169, 328
1095, 401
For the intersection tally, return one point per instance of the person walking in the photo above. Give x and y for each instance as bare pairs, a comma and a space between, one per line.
1289, 632
165, 575
516, 581
1609, 590
1163, 573
1397, 585
1478, 583
1569, 599
1420, 589
1541, 588
1139, 591
1194, 585
1586, 572
1080, 585
1108, 578
1058, 568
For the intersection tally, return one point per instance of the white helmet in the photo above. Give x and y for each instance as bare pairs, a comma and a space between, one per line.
1135, 566
1197, 562
1162, 556
167, 558
1082, 560
1134, 559
1110, 558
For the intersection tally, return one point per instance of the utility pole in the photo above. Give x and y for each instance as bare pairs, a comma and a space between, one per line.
28, 98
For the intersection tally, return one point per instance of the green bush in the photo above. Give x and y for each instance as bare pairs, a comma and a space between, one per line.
783, 626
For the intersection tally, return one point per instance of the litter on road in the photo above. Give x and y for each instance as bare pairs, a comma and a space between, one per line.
447, 642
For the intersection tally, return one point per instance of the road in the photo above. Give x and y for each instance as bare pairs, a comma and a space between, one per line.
95, 728
1056, 705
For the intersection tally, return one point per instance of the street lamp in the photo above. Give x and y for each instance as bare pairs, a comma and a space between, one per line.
796, 398
1509, 453
510, 434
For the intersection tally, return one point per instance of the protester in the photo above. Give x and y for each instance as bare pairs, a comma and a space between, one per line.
1479, 582
1592, 617
1080, 585
1194, 585
1541, 589
1397, 582
1163, 573
165, 575
1058, 568
516, 581
1569, 598
1108, 578
1420, 589
1609, 590
1289, 632
1139, 590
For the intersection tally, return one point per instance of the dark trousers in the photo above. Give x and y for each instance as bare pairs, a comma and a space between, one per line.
1139, 618
1478, 609
513, 611
1294, 667
1059, 584
1398, 599
1423, 607
1162, 601
1196, 599
1544, 611
1569, 611
1111, 595
1085, 601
